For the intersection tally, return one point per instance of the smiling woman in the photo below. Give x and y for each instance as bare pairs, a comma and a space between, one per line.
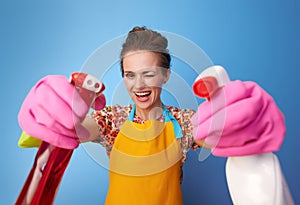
166, 131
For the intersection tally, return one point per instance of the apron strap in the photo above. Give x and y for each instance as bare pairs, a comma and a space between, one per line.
167, 116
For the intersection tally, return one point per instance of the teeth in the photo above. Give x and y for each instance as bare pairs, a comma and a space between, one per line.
141, 94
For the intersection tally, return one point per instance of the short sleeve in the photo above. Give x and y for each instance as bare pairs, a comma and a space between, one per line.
109, 121
183, 117
187, 141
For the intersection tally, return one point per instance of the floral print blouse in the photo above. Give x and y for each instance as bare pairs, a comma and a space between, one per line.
111, 118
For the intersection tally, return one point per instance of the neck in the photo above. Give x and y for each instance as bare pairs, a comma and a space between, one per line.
152, 113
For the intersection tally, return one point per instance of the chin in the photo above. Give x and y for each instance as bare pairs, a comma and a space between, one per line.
143, 105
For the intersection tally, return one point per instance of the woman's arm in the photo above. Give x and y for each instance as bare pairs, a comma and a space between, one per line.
201, 143
92, 126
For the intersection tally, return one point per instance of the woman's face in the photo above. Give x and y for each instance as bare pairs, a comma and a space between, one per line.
144, 78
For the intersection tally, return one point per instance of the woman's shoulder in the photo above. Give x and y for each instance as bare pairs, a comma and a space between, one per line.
112, 113
111, 117
181, 113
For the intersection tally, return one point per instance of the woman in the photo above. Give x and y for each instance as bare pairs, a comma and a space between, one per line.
145, 67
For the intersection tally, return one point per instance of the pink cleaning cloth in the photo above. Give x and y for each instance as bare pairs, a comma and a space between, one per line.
240, 119
53, 111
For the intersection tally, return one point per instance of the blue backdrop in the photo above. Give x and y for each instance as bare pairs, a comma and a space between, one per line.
255, 40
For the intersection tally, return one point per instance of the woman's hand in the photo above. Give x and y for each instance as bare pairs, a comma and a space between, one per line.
53, 111
240, 119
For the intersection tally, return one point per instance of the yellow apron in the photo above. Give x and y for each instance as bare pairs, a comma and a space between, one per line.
145, 163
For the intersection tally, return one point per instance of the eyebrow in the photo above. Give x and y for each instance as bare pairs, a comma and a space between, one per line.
144, 72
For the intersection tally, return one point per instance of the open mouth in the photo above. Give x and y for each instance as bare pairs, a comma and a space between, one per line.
142, 94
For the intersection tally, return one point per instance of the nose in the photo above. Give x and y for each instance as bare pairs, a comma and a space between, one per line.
139, 82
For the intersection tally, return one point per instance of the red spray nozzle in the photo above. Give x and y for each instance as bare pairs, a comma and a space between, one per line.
87, 81
88, 86
205, 87
209, 81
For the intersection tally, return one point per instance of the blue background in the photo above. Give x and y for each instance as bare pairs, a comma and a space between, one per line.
255, 40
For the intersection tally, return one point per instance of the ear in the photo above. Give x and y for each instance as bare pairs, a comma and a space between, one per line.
167, 75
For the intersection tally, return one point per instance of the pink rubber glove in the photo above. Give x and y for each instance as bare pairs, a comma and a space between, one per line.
53, 111
251, 123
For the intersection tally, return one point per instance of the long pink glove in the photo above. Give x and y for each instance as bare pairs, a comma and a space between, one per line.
251, 121
53, 111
